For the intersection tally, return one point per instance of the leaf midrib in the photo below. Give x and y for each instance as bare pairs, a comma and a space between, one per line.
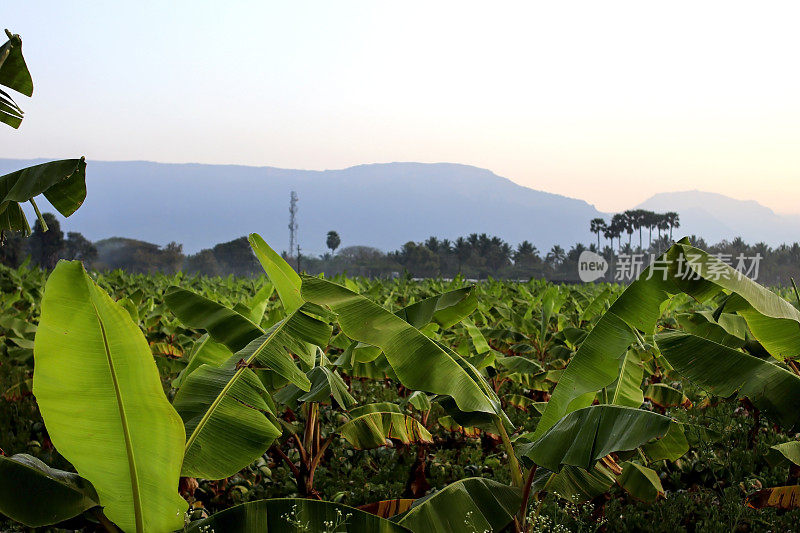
137, 502
224, 392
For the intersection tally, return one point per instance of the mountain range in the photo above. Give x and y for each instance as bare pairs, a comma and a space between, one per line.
380, 205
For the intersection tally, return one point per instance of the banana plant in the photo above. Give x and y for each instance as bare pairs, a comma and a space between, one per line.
95, 376
63, 182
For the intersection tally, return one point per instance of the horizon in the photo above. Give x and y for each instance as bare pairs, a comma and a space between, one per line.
613, 101
587, 200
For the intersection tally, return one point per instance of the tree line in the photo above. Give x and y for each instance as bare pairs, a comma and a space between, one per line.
631, 221
473, 256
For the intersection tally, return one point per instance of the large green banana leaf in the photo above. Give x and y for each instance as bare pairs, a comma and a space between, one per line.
14, 74
63, 183
223, 325
597, 362
671, 446
471, 504
13, 70
285, 515
584, 436
226, 415
226, 408
101, 398
725, 371
204, 351
285, 279
377, 407
419, 362
446, 309
774, 322
640, 482
443, 309
36, 495
573, 483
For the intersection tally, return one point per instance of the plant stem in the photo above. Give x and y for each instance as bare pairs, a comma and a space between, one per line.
107, 524
794, 286
526, 494
513, 464
39, 215
288, 461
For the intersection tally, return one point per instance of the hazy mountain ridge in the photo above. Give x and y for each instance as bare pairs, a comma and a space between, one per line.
716, 216
382, 205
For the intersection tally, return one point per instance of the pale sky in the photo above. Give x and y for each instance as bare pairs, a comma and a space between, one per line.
606, 101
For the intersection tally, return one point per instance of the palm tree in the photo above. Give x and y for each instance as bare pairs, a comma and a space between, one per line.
432, 244
618, 225
463, 249
333, 241
628, 224
575, 252
662, 224
638, 220
652, 222
597, 225
674, 221
525, 252
556, 255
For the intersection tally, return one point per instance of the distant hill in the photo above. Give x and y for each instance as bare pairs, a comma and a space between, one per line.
715, 217
380, 205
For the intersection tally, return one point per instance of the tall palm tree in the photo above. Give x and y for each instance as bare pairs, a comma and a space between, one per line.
556, 255
629, 221
618, 225
525, 252
596, 226
432, 244
662, 224
463, 250
674, 221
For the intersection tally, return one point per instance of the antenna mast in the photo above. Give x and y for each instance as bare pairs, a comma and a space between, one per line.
292, 222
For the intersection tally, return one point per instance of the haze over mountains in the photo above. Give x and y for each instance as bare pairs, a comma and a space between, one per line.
380, 205
715, 217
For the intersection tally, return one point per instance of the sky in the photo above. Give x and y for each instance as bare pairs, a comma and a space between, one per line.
610, 102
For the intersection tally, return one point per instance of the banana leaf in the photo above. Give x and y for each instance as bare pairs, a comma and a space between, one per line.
472, 504
640, 482
223, 325
371, 430
419, 362
284, 515
282, 276
227, 409
446, 309
584, 436
63, 183
95, 376
36, 495
724, 371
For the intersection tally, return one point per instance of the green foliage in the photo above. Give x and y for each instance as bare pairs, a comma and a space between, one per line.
360, 391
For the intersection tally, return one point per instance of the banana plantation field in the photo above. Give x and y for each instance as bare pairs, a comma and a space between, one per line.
296, 403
